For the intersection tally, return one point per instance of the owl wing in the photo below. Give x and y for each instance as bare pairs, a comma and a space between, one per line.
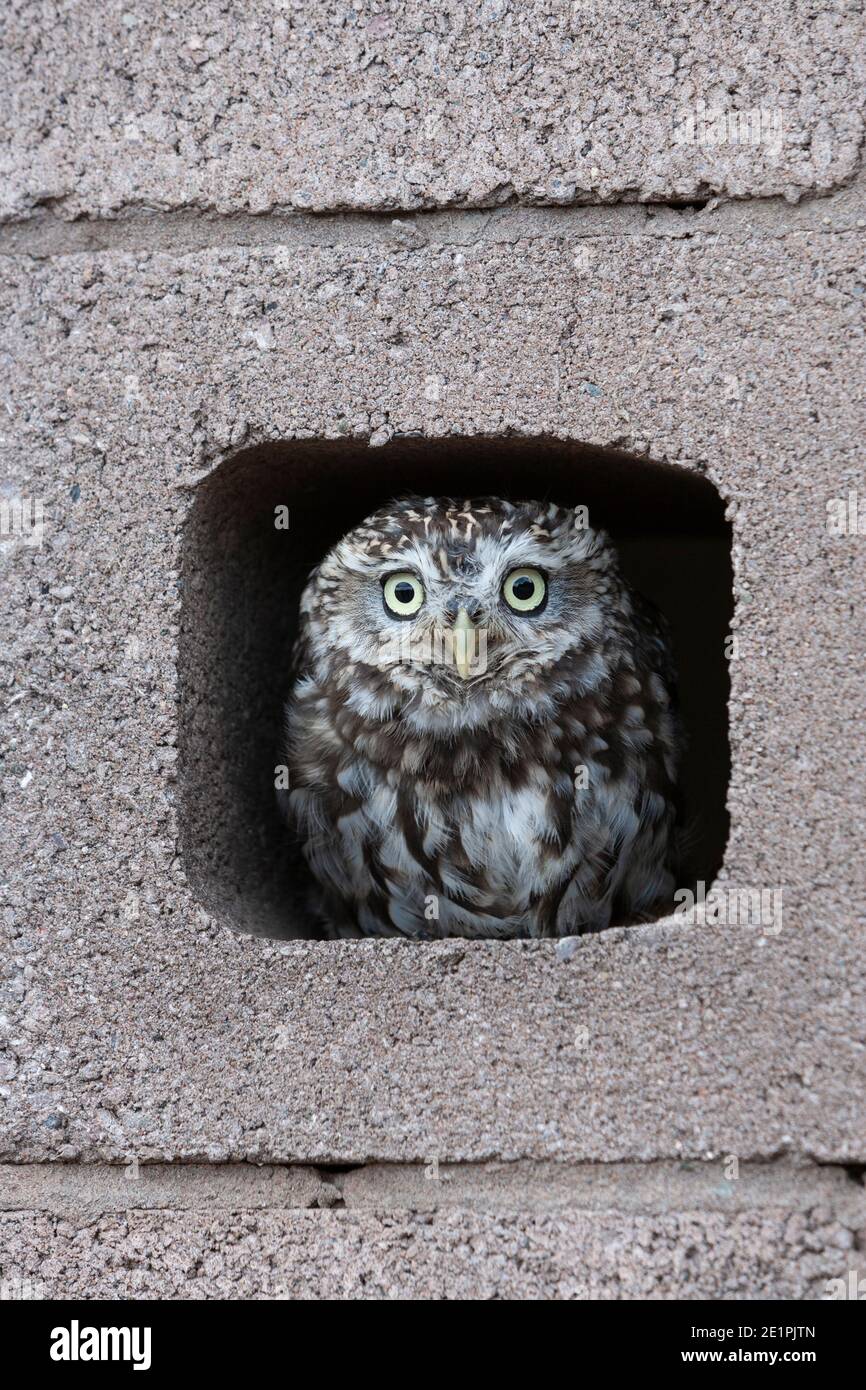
654, 643
299, 664
300, 658
628, 741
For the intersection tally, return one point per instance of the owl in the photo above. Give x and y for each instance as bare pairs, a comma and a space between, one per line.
482, 735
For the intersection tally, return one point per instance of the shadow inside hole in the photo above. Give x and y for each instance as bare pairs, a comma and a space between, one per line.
242, 578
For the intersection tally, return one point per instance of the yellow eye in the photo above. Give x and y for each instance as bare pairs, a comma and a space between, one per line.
525, 590
403, 594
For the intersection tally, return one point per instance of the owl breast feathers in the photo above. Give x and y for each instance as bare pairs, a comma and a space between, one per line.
482, 740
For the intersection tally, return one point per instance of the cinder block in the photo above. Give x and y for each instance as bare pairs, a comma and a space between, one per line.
197, 1098
336, 1255
138, 1020
491, 1231
332, 106
261, 522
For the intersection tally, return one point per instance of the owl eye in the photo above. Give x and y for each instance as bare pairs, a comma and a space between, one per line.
403, 594
525, 590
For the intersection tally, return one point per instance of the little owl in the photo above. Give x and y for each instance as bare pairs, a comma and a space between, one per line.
482, 734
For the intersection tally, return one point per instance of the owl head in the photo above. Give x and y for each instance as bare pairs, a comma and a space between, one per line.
451, 612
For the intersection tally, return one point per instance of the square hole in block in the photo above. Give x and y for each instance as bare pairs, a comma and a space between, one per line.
242, 577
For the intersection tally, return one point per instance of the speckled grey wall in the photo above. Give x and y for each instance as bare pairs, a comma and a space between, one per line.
675, 1109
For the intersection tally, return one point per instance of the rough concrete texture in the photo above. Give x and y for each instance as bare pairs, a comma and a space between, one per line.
455, 1254
412, 105
170, 372
727, 343
528, 1231
88, 1189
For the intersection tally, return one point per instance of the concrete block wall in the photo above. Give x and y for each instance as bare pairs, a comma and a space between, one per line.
308, 254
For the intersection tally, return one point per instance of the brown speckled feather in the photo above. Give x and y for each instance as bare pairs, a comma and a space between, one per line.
533, 795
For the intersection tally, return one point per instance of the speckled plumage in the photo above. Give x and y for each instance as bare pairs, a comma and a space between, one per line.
535, 797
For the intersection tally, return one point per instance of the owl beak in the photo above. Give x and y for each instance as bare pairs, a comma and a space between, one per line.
464, 643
